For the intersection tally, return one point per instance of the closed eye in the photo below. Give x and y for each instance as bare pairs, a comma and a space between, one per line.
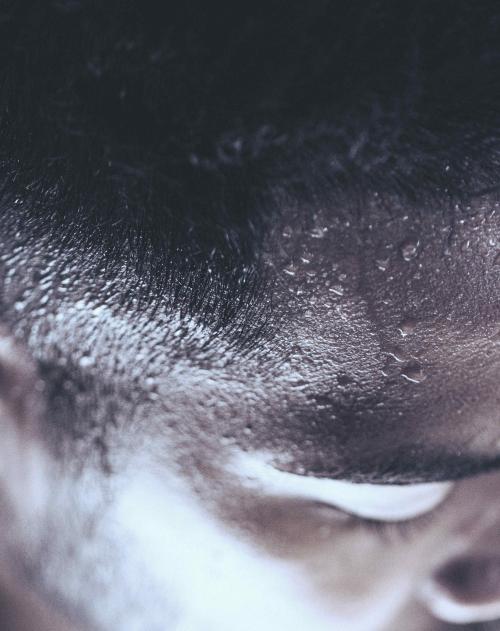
384, 502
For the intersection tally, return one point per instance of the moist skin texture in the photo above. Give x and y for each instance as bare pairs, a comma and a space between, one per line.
285, 253
389, 377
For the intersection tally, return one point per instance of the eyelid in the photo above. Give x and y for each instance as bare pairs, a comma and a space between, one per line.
384, 502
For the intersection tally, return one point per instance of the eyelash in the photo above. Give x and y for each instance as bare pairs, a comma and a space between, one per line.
393, 531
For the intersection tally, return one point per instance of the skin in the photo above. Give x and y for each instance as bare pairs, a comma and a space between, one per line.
243, 252
380, 363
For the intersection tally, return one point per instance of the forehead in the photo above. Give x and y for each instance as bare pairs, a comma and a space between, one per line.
387, 338
323, 226
375, 360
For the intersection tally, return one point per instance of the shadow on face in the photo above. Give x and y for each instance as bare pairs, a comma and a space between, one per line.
250, 343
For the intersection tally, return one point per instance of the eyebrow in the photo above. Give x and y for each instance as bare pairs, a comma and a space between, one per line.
426, 466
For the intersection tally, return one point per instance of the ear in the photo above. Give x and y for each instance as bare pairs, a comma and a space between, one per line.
24, 487
23, 460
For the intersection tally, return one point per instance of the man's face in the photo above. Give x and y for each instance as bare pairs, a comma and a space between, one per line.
284, 484
249, 317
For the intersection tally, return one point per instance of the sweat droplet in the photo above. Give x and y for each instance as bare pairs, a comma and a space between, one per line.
290, 270
86, 361
409, 249
338, 290
318, 233
382, 264
413, 373
407, 326
397, 354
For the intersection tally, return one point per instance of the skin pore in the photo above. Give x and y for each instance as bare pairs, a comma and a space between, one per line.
228, 366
